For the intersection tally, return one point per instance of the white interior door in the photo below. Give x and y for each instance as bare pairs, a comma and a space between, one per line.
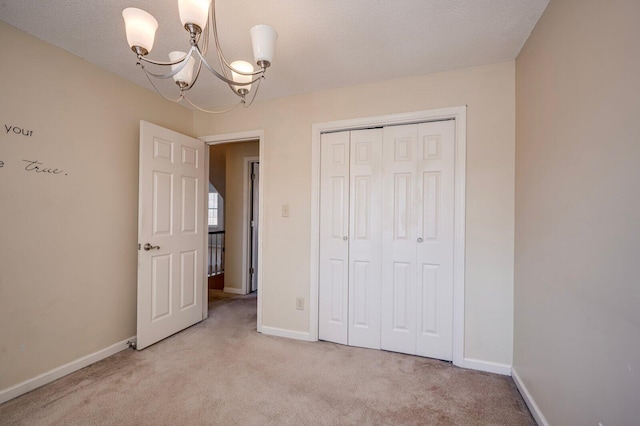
398, 327
170, 233
434, 251
334, 238
417, 244
364, 237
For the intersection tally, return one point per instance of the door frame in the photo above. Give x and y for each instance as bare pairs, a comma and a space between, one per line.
246, 218
459, 114
250, 135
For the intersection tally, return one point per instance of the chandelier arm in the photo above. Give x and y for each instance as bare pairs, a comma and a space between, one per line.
205, 40
222, 77
181, 97
254, 94
195, 78
214, 26
223, 61
234, 91
210, 111
165, 64
224, 69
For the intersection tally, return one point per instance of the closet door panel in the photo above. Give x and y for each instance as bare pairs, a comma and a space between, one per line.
364, 238
334, 245
434, 250
398, 306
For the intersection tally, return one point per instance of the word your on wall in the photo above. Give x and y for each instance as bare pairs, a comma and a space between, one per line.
18, 130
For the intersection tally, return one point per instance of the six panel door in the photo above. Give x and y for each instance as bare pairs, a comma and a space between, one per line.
170, 224
334, 239
417, 243
365, 167
399, 215
434, 249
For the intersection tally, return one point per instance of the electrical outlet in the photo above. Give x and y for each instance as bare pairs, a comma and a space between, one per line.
300, 303
285, 210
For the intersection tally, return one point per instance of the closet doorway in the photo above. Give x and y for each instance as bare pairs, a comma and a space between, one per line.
389, 271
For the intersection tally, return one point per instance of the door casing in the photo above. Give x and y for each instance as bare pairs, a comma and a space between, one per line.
459, 114
247, 248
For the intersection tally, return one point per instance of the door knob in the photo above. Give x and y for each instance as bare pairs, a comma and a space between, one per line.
148, 247
420, 239
345, 238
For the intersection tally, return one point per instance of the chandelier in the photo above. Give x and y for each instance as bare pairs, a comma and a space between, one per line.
185, 67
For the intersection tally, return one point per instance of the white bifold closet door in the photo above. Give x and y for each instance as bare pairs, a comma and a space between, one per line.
417, 239
350, 235
386, 238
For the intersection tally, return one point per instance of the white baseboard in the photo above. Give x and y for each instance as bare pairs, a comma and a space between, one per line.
281, 332
531, 403
488, 366
233, 290
56, 373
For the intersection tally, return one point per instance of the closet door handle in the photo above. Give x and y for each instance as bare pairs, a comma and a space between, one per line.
420, 239
345, 238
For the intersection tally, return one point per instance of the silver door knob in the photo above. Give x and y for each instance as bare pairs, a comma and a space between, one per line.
420, 239
345, 238
148, 247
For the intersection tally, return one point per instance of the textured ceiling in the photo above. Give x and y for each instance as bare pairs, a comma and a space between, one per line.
322, 44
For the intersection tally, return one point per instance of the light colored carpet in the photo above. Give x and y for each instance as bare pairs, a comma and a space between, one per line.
222, 372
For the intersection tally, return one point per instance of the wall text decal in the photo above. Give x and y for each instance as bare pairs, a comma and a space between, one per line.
18, 130
38, 167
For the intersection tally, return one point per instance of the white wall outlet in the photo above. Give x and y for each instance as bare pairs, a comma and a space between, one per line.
285, 210
300, 303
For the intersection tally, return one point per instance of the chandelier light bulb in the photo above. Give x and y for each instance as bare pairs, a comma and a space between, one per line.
141, 29
185, 75
194, 12
241, 66
263, 38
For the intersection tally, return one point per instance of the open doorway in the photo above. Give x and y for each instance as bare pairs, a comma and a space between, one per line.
233, 211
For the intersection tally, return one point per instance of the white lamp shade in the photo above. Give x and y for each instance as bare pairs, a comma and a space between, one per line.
186, 74
263, 38
141, 27
243, 67
194, 12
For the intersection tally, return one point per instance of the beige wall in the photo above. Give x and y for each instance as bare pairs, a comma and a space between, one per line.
577, 274
233, 211
67, 242
489, 92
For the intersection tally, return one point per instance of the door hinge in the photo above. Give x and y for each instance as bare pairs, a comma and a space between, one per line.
252, 271
139, 246
253, 176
